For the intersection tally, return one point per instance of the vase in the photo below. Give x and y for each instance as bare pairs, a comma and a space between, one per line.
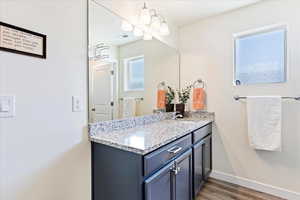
180, 108
170, 108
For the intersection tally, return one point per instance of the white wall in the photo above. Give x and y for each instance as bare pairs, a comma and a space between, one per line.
207, 52
47, 153
161, 64
2, 183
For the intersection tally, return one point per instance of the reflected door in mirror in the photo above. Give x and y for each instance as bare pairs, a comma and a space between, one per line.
102, 90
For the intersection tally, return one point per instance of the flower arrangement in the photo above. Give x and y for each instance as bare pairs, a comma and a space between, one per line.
184, 94
170, 96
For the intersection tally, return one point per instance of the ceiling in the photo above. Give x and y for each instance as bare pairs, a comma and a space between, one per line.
179, 12
105, 27
109, 14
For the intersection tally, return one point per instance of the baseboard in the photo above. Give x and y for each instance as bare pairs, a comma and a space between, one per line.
261, 187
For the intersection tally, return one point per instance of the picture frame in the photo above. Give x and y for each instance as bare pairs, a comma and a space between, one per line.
22, 41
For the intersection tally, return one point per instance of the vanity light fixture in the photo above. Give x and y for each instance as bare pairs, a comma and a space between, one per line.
126, 26
164, 28
155, 22
150, 22
145, 16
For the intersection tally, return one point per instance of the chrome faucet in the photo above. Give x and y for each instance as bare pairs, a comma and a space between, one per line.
178, 115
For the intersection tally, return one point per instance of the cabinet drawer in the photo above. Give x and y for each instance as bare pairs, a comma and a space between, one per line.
163, 155
201, 133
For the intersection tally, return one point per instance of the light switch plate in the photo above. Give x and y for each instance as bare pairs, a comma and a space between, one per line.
77, 104
7, 106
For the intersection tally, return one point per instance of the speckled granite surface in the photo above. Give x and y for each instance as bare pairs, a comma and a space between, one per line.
200, 115
120, 124
142, 138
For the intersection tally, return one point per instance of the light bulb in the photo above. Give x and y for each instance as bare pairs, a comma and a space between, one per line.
137, 32
164, 28
126, 26
155, 24
145, 17
147, 36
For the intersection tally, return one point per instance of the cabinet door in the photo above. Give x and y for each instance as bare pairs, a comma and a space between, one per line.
207, 157
160, 186
198, 175
183, 174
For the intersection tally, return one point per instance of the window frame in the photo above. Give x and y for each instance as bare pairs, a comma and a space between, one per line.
265, 29
126, 73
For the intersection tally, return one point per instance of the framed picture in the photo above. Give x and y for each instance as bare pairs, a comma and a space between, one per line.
21, 41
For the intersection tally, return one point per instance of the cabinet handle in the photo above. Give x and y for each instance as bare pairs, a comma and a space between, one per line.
176, 170
175, 150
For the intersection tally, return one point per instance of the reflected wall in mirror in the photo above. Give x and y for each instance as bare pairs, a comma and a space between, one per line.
125, 70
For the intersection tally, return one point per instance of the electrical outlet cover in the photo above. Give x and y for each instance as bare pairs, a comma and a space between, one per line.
77, 104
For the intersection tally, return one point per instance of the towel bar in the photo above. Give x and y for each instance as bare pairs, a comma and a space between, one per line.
294, 98
137, 99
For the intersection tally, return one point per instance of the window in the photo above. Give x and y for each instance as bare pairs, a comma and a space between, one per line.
134, 74
260, 56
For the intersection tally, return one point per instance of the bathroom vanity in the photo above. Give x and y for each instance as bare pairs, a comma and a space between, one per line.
163, 160
139, 156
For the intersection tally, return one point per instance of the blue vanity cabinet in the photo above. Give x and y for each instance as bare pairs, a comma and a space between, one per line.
198, 175
162, 156
175, 171
173, 182
183, 177
160, 186
202, 157
116, 174
207, 156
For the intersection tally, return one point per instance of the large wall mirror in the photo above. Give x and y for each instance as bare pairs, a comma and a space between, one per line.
125, 70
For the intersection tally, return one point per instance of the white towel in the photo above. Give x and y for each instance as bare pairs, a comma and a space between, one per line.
264, 122
129, 107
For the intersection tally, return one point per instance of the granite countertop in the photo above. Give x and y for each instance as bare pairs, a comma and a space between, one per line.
145, 138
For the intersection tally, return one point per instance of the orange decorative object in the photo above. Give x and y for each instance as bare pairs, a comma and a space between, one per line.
198, 99
161, 99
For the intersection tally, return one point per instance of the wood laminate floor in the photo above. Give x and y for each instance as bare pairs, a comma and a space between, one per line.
219, 190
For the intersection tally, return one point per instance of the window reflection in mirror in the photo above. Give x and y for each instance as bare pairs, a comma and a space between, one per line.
134, 74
